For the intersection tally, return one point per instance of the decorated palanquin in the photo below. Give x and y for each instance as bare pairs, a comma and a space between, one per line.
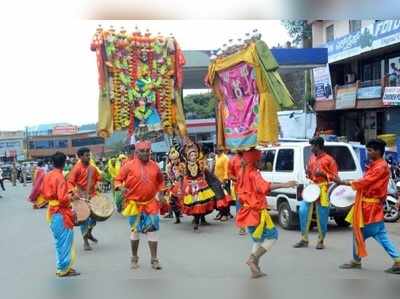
140, 82
250, 92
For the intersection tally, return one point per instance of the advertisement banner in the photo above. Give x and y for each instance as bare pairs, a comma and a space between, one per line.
377, 35
371, 92
65, 130
322, 84
346, 97
391, 96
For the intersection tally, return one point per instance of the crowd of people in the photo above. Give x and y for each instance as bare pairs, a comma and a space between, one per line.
195, 185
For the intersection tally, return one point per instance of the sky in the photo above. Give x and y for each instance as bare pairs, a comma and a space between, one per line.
49, 75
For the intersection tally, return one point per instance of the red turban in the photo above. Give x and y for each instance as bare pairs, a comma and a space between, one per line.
143, 145
251, 156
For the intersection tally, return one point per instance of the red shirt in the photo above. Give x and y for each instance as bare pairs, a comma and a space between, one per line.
373, 184
78, 177
141, 180
55, 188
323, 163
252, 190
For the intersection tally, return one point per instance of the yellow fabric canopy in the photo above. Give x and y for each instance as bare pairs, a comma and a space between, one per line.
272, 91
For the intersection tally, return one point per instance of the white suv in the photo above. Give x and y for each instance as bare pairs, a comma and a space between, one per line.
288, 162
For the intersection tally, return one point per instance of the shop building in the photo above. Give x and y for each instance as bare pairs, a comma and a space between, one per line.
364, 69
45, 140
12, 146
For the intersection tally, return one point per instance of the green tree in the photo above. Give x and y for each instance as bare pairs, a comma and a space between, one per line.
198, 106
300, 31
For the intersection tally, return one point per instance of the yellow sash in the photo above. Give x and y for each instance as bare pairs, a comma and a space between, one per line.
324, 198
350, 215
265, 223
52, 203
132, 209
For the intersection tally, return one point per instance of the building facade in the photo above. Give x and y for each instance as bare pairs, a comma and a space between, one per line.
45, 140
364, 67
12, 146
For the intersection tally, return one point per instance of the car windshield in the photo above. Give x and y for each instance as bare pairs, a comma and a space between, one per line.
341, 154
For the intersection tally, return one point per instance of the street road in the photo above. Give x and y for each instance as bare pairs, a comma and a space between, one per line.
208, 264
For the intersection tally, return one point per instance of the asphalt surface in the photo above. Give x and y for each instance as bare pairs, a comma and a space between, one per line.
208, 264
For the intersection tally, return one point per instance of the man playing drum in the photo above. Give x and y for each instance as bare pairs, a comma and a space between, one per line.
60, 216
321, 170
366, 216
83, 179
140, 179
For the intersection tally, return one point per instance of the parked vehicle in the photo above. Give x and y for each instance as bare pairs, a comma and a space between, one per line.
288, 161
6, 172
392, 213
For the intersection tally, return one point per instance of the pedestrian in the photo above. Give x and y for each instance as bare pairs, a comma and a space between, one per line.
253, 214
140, 180
367, 213
221, 172
36, 198
60, 217
82, 180
321, 170
2, 179
14, 173
24, 171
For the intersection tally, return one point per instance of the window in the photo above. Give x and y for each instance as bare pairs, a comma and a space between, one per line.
285, 160
329, 33
354, 25
41, 144
267, 160
372, 72
87, 141
11, 144
61, 143
341, 154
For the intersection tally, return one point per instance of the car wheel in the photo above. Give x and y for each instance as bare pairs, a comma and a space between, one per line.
341, 221
286, 218
391, 214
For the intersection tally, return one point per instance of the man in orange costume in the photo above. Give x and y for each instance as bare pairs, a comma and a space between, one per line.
321, 170
366, 216
140, 180
252, 190
234, 167
60, 216
82, 180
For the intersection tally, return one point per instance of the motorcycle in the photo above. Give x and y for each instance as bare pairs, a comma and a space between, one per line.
390, 209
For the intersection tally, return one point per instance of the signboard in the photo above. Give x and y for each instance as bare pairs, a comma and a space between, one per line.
371, 92
377, 35
65, 130
391, 96
12, 134
346, 97
322, 84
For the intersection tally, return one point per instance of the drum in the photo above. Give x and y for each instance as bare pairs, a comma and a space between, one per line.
101, 208
342, 196
311, 193
81, 211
